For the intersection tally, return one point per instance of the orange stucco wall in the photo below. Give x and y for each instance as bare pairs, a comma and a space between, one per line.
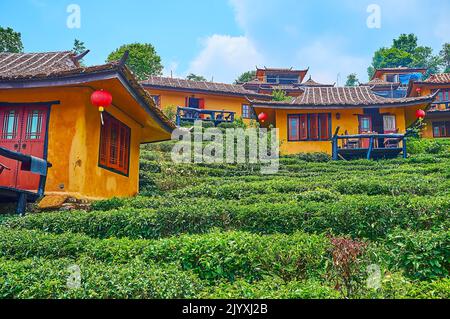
212, 102
348, 121
428, 129
73, 143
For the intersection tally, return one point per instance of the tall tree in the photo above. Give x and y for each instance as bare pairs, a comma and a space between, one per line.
10, 41
352, 80
246, 77
143, 59
445, 57
405, 52
78, 48
194, 77
406, 42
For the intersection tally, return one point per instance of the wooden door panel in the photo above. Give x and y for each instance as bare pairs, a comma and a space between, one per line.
365, 126
32, 142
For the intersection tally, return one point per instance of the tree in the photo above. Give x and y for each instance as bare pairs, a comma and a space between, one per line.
143, 59
445, 57
406, 42
10, 41
246, 77
78, 48
405, 52
194, 77
352, 80
280, 96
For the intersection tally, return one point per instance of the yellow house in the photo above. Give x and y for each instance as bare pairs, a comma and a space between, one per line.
438, 115
46, 112
173, 93
307, 123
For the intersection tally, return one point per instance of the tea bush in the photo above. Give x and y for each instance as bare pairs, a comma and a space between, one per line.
39, 278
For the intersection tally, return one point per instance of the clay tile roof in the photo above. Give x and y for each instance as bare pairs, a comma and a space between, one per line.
313, 83
158, 82
438, 78
359, 96
22, 68
30, 64
379, 82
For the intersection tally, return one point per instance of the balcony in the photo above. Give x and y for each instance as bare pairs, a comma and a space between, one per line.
440, 106
368, 146
186, 114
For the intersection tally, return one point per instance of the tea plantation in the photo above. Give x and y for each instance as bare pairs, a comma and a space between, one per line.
317, 229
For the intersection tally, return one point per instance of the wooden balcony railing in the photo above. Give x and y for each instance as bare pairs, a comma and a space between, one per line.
186, 114
370, 145
28, 163
440, 106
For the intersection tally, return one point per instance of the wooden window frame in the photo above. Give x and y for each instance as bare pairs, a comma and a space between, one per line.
123, 137
304, 133
445, 125
244, 116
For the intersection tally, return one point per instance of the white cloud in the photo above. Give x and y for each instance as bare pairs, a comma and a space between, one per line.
327, 61
225, 57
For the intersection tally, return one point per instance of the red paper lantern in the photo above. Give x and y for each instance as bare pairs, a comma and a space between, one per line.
101, 99
419, 90
262, 117
420, 114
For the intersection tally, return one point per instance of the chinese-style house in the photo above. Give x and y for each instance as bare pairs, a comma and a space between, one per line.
219, 102
53, 139
356, 121
394, 82
437, 119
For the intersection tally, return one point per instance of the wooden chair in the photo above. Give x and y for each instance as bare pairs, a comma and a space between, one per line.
351, 143
392, 142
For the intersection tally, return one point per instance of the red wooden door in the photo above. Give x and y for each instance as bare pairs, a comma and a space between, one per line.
10, 125
27, 135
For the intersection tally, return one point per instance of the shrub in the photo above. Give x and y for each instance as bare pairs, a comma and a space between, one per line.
423, 255
360, 216
270, 288
212, 256
347, 264
47, 279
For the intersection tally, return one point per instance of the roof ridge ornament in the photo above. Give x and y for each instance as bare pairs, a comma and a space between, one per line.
124, 58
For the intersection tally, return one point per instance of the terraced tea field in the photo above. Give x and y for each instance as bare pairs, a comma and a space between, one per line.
318, 229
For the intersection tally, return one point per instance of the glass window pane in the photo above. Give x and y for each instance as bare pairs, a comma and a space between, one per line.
9, 131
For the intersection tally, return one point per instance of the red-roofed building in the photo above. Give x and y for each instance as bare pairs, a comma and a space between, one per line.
438, 115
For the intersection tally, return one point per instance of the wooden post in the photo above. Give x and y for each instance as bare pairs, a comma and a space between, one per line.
178, 117
21, 204
369, 152
405, 152
334, 148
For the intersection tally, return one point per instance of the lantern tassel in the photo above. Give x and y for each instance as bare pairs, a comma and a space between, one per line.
101, 109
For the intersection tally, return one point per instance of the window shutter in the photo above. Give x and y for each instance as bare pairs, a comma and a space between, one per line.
314, 127
303, 127
104, 141
114, 144
324, 126
201, 104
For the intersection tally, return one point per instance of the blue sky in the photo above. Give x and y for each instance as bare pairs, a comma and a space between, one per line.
222, 38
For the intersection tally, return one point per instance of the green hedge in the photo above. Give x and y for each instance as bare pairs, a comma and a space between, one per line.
271, 288
371, 217
423, 255
47, 279
212, 256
